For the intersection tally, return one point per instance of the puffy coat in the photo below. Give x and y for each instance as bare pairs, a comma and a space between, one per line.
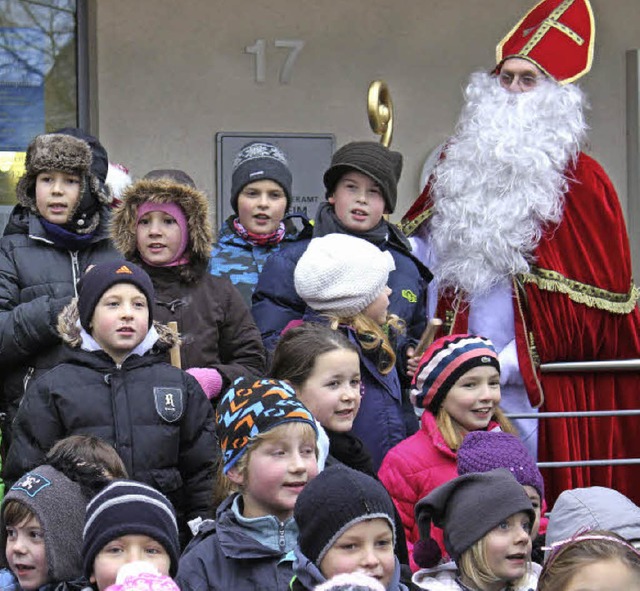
276, 302
155, 415
241, 262
413, 468
308, 576
37, 280
228, 557
216, 326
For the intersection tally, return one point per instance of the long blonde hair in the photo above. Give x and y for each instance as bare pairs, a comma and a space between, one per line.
453, 433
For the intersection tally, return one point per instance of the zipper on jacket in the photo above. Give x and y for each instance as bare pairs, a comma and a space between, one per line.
75, 270
281, 538
27, 377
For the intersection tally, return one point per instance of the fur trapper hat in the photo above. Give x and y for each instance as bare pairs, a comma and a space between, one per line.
341, 274
74, 152
379, 163
195, 205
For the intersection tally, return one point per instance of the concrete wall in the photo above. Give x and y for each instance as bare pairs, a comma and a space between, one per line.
170, 74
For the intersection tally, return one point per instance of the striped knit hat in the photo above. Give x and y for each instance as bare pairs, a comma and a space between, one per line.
126, 507
444, 362
252, 407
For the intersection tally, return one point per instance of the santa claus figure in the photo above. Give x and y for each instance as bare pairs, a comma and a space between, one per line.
527, 240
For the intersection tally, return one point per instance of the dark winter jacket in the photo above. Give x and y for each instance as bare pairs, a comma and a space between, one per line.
276, 302
307, 575
9, 582
228, 557
155, 415
37, 280
242, 262
216, 327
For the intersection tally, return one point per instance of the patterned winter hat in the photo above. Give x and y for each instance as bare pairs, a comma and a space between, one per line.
384, 166
126, 507
335, 500
482, 451
444, 362
58, 504
105, 275
250, 408
256, 162
455, 506
342, 274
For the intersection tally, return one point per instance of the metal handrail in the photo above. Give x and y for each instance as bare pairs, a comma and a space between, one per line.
612, 365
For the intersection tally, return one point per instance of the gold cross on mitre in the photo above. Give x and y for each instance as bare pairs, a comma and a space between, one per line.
551, 22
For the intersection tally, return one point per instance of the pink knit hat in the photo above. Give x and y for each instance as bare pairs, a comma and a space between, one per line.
176, 212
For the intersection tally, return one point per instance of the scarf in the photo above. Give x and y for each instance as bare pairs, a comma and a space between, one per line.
64, 238
349, 449
259, 239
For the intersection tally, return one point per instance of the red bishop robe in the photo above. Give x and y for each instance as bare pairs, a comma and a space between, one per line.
577, 303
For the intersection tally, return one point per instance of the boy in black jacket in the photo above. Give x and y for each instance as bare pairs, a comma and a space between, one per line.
113, 384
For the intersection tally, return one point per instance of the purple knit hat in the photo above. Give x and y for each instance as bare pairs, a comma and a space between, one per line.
482, 451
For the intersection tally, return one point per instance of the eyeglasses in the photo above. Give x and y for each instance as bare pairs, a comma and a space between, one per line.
524, 81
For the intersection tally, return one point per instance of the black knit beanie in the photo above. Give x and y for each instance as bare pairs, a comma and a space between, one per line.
467, 508
384, 166
105, 275
59, 505
338, 498
126, 507
258, 161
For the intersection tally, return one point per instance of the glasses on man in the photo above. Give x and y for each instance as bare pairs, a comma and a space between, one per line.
523, 81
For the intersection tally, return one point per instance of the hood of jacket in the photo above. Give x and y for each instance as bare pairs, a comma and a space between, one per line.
69, 328
195, 205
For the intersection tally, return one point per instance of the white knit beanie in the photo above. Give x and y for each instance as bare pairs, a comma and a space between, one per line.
342, 274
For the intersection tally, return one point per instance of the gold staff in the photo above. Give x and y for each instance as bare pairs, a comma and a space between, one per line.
380, 110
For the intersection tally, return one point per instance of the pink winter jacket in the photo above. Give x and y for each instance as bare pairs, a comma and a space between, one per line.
412, 469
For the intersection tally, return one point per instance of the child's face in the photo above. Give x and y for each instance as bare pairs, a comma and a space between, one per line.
277, 471
127, 549
158, 237
121, 320
508, 547
536, 501
358, 202
378, 309
261, 206
26, 554
57, 194
472, 400
604, 575
332, 391
366, 547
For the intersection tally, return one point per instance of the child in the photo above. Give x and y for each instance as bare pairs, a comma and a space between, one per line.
114, 384
344, 279
323, 366
482, 451
458, 383
129, 521
87, 460
346, 525
486, 520
596, 560
260, 196
57, 230
163, 225
42, 518
268, 441
361, 187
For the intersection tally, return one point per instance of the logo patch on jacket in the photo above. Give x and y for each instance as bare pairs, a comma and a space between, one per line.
408, 295
169, 403
31, 484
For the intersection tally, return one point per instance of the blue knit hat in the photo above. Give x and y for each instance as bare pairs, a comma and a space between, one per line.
444, 362
252, 407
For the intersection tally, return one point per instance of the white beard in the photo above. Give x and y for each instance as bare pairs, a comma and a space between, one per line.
502, 180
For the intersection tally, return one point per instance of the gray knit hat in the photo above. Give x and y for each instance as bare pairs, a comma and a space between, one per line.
467, 508
384, 166
595, 507
59, 506
259, 161
335, 500
342, 274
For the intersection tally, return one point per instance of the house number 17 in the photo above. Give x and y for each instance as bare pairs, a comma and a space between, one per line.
259, 50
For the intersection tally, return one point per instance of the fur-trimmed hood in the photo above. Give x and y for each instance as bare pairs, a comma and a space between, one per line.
69, 328
195, 205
